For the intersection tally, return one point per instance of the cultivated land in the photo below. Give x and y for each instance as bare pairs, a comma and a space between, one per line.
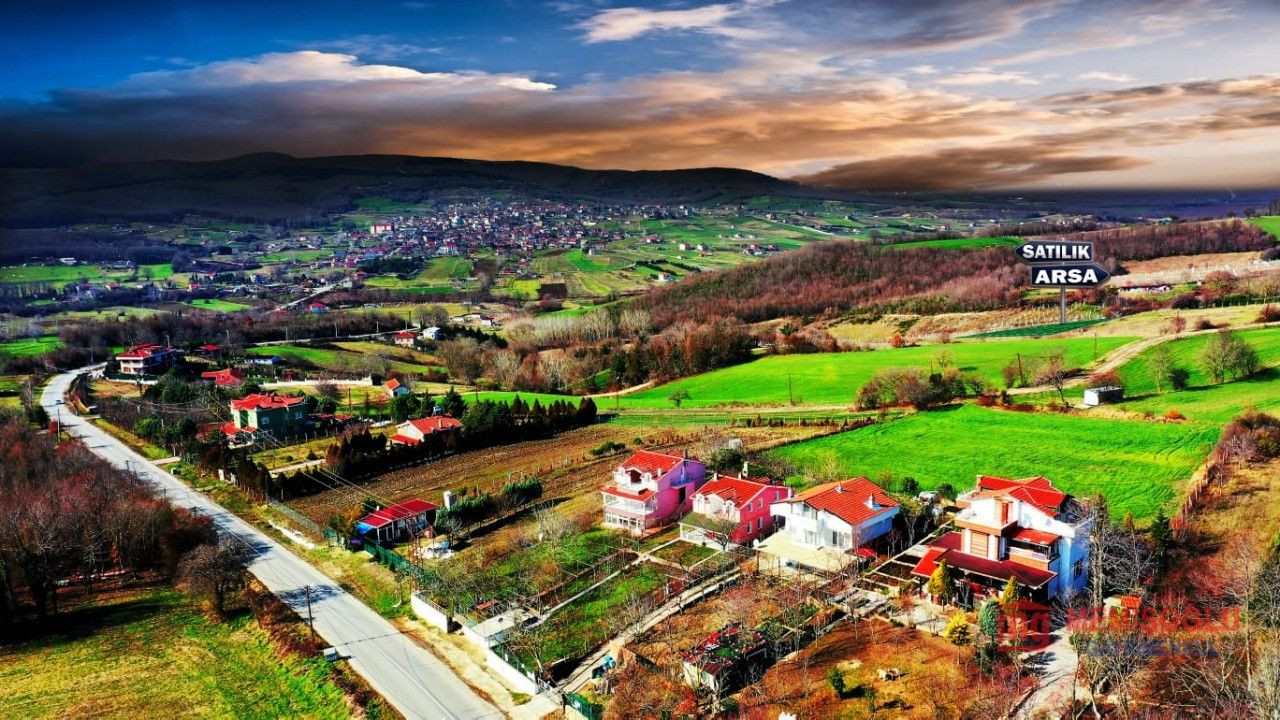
834, 378
343, 360
1140, 466
148, 653
1269, 223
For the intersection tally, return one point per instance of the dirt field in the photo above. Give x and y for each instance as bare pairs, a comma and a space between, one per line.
933, 685
564, 462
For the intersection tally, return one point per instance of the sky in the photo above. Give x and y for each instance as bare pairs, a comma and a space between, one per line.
864, 94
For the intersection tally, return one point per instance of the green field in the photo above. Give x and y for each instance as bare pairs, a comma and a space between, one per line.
834, 378
152, 655
219, 306
1204, 400
1140, 466
63, 274
29, 347
1269, 223
953, 243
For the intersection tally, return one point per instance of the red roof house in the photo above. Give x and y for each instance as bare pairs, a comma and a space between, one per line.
741, 500
413, 432
394, 522
226, 377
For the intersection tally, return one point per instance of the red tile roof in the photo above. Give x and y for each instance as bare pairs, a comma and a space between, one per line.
947, 548
739, 491
1036, 491
399, 511
847, 499
224, 377
266, 401
405, 335
231, 430
1039, 537
138, 352
436, 423
651, 462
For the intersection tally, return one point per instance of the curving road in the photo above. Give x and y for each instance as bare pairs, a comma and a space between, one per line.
413, 680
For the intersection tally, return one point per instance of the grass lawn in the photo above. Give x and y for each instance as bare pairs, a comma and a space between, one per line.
1140, 466
1269, 223
215, 305
834, 378
149, 654
28, 347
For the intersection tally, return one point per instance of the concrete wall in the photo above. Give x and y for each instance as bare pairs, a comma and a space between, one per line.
429, 613
518, 680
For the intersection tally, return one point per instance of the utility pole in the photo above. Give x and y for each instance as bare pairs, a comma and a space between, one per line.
1062, 305
311, 620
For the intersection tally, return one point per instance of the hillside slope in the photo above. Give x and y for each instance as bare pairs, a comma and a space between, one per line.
273, 187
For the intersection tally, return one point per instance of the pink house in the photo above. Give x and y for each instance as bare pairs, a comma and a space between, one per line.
651, 490
742, 500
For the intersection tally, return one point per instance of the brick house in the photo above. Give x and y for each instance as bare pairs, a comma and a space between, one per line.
651, 490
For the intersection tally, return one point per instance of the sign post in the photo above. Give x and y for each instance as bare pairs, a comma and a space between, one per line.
1061, 264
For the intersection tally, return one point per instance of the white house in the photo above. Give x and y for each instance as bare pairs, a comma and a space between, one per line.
825, 528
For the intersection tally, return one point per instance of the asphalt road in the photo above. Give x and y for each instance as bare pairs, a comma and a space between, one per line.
413, 680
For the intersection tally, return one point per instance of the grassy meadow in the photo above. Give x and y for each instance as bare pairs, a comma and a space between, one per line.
218, 306
28, 347
1269, 223
149, 654
1140, 466
1205, 400
834, 378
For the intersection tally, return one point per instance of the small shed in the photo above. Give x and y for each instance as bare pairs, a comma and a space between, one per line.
1106, 394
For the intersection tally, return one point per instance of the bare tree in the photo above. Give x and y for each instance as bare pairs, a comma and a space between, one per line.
1054, 373
212, 573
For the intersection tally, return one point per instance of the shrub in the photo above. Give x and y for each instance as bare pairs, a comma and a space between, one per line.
1269, 313
1174, 415
1204, 324
1179, 377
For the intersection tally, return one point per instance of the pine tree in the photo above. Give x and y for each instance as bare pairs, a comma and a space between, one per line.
942, 582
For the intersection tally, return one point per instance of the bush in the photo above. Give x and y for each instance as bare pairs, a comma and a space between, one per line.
1179, 378
1269, 313
1174, 415
1204, 324
607, 447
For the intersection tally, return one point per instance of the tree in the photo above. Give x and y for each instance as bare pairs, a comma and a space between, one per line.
1177, 324
1227, 355
678, 397
403, 406
452, 404
957, 632
211, 573
942, 583
1054, 373
1161, 366
1010, 593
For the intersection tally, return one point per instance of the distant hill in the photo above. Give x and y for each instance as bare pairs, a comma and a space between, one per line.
276, 187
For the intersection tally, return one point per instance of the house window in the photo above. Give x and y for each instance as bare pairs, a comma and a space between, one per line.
759, 523
1078, 569
265, 420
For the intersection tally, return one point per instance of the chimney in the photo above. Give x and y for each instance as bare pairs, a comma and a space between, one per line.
840, 488
871, 502
746, 469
